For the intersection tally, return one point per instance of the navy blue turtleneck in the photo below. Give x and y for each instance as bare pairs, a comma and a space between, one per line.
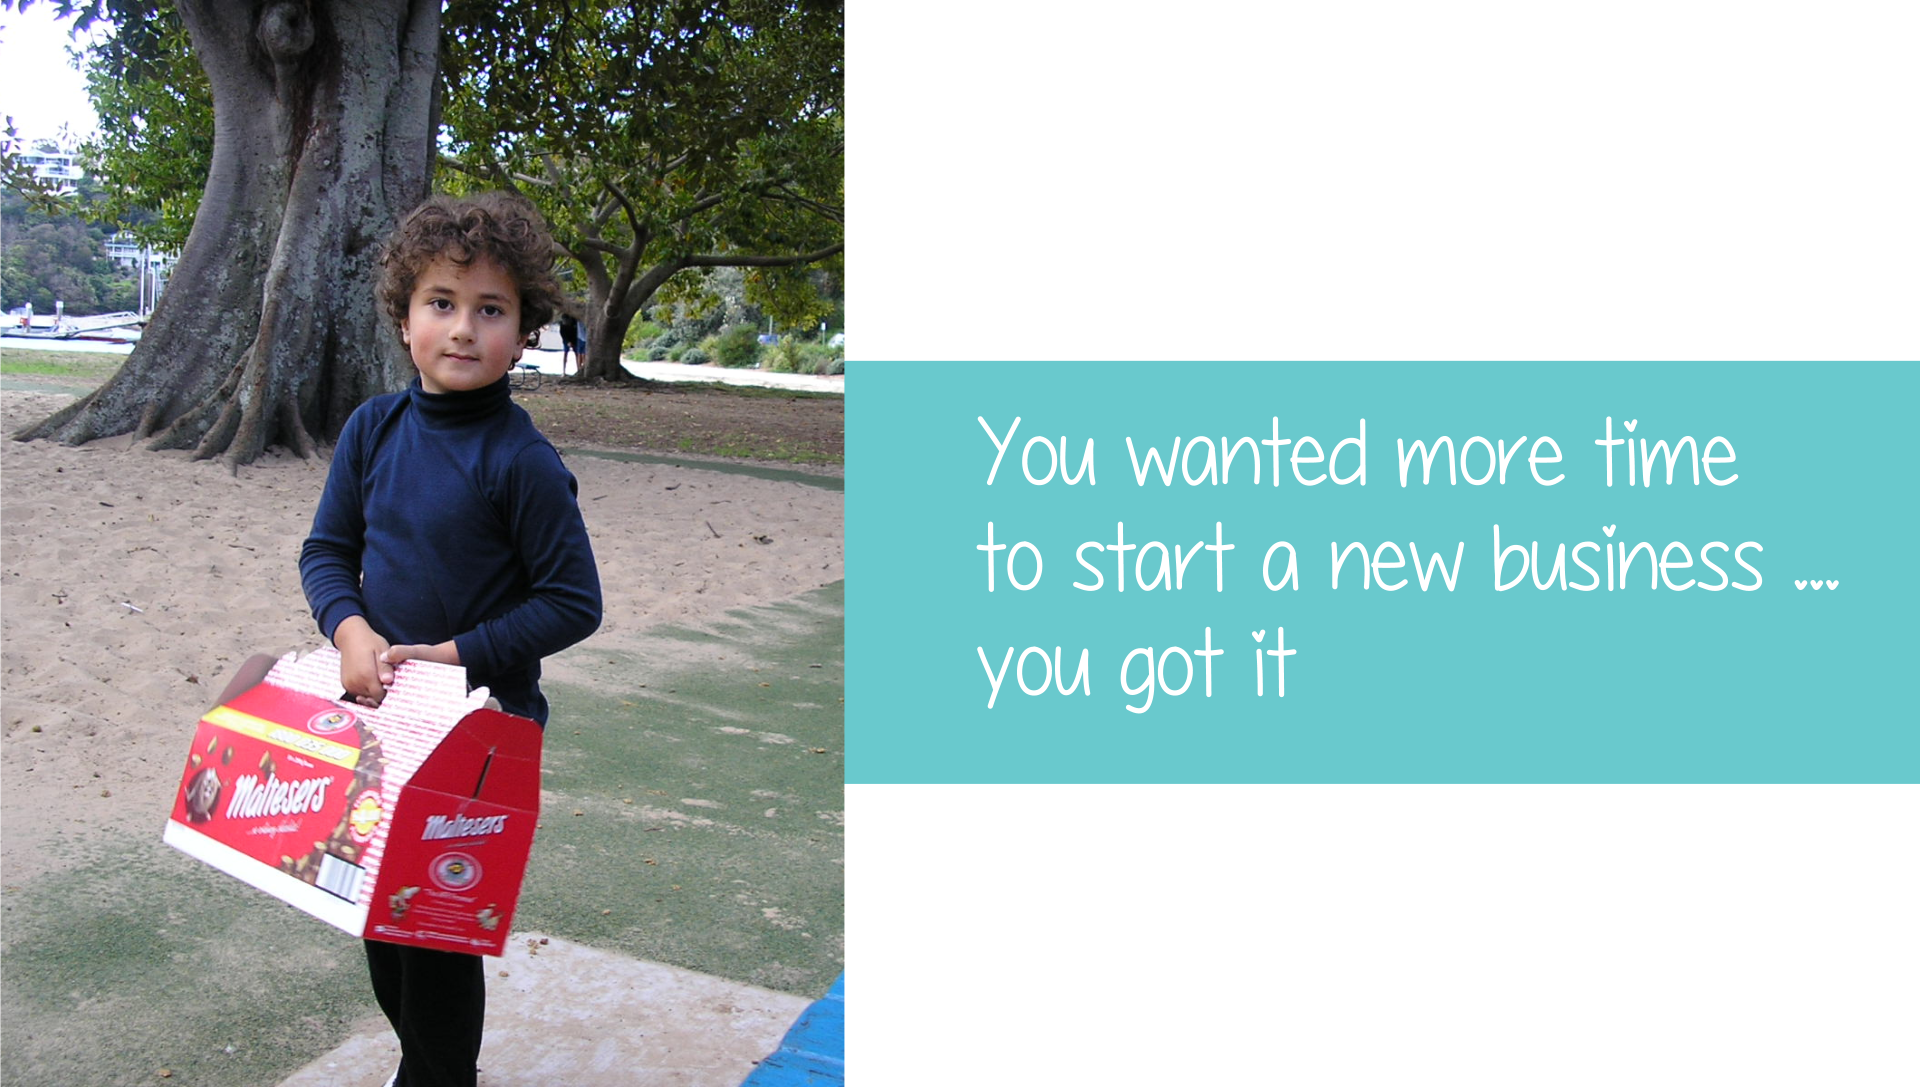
450, 516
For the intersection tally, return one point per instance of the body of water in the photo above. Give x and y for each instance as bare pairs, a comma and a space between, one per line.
35, 343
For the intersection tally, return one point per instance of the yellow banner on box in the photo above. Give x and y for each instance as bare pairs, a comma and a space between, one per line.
275, 733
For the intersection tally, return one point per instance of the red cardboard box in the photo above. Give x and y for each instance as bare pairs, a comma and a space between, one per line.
409, 823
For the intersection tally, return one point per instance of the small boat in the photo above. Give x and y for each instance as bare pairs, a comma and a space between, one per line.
69, 328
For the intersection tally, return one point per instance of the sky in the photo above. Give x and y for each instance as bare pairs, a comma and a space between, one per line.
39, 87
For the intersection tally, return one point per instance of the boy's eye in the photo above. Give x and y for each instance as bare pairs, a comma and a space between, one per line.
440, 304
492, 311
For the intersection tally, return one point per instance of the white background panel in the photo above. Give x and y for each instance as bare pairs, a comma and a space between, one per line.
1359, 181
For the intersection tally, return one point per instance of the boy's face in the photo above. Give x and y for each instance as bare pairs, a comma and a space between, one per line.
463, 325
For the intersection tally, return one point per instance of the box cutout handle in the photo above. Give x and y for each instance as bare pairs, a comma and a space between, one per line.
484, 767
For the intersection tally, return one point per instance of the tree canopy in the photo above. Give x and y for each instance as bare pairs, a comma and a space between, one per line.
661, 139
154, 142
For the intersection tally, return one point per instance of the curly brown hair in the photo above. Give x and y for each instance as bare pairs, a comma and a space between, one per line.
503, 227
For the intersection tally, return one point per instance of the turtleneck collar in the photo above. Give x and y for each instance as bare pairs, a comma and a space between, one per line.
460, 407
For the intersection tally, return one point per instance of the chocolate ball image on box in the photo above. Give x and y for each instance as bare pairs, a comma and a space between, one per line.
203, 793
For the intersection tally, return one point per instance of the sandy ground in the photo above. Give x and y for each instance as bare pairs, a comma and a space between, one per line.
133, 582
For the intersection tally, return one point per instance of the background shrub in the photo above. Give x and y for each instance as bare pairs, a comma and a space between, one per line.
787, 356
638, 333
814, 357
738, 346
694, 356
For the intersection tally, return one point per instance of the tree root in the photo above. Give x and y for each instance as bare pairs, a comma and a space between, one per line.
149, 420
295, 431
219, 435
217, 426
57, 425
187, 430
620, 377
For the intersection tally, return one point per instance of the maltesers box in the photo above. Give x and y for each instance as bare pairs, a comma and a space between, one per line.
409, 823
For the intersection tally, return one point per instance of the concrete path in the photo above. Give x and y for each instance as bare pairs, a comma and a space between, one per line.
549, 363
559, 1012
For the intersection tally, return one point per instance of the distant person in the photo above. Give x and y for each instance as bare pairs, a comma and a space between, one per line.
569, 330
449, 531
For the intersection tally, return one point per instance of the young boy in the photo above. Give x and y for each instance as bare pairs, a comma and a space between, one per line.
449, 532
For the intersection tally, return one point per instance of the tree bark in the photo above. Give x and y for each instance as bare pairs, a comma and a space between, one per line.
602, 360
269, 334
612, 304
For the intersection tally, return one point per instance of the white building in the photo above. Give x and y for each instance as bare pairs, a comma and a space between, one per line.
53, 164
154, 268
128, 253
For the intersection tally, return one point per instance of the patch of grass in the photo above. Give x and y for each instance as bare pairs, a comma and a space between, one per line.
695, 818
712, 420
140, 958
757, 471
79, 365
755, 447
762, 392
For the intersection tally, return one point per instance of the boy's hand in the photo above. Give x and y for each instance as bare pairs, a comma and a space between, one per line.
363, 673
443, 653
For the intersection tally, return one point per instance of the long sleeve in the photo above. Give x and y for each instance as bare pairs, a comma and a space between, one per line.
330, 559
563, 605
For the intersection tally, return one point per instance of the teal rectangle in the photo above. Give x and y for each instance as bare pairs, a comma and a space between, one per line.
1621, 684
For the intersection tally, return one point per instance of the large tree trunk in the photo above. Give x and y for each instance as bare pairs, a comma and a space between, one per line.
602, 360
269, 333
613, 301
605, 328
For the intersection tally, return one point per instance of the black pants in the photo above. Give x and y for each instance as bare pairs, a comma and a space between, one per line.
436, 1001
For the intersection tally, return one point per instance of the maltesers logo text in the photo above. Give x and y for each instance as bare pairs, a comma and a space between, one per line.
459, 826
253, 797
